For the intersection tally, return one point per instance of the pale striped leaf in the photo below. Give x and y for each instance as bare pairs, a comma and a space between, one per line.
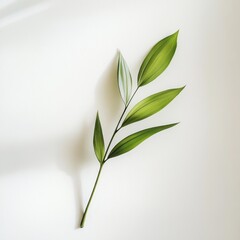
124, 79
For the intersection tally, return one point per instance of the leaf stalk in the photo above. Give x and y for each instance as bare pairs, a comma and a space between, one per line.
91, 196
105, 158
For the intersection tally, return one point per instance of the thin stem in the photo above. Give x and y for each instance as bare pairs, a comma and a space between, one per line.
117, 128
90, 199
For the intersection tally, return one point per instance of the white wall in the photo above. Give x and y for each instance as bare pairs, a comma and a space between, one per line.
58, 67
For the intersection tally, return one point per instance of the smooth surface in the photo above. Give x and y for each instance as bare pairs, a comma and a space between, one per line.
58, 62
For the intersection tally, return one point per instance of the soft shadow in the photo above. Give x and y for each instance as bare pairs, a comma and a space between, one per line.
14, 10
107, 93
72, 155
77, 157
26, 155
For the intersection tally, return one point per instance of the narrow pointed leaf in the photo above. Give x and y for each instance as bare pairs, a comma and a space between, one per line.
157, 60
98, 140
135, 139
124, 79
151, 105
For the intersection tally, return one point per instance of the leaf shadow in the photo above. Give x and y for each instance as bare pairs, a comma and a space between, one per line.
75, 153
77, 157
81, 150
107, 95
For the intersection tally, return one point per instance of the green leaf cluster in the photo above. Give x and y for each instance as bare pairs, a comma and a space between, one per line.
156, 61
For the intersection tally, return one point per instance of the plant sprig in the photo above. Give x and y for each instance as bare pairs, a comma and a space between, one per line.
156, 61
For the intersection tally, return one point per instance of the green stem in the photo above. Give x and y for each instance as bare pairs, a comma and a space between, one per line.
90, 199
117, 128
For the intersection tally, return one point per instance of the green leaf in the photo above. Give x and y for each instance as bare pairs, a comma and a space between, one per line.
98, 141
135, 139
157, 60
124, 79
151, 105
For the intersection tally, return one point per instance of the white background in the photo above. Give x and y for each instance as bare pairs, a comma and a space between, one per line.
58, 67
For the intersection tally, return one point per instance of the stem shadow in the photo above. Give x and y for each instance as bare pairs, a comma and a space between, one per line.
108, 98
78, 156
81, 151
75, 153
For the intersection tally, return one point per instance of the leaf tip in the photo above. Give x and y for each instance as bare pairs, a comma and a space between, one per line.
182, 88
97, 115
172, 124
119, 53
175, 35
